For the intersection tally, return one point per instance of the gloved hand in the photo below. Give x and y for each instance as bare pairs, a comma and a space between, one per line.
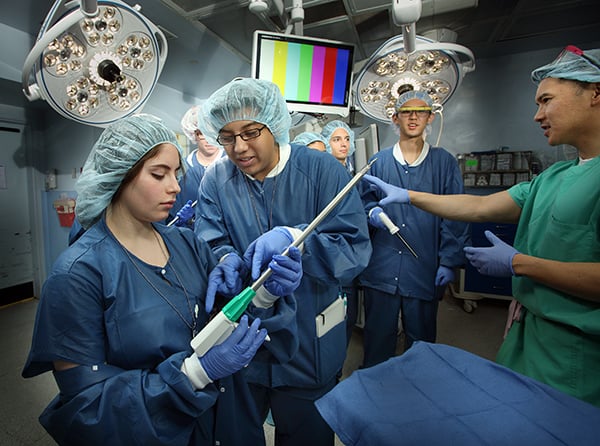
261, 251
374, 219
393, 194
225, 278
495, 260
443, 276
286, 273
235, 352
185, 214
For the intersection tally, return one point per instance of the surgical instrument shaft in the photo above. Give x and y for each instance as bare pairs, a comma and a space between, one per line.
394, 230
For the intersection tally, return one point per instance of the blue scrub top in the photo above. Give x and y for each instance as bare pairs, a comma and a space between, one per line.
393, 269
234, 210
100, 308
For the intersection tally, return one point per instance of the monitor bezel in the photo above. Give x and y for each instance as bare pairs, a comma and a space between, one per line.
307, 107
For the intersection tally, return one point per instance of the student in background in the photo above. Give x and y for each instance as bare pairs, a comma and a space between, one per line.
312, 140
196, 163
340, 143
395, 279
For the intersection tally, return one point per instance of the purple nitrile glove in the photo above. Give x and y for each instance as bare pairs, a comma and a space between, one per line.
443, 276
374, 218
286, 273
225, 279
495, 260
235, 352
261, 251
393, 194
185, 214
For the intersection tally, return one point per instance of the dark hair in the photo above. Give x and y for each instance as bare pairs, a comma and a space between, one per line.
136, 168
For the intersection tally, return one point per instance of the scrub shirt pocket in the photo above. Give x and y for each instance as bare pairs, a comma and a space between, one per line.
330, 350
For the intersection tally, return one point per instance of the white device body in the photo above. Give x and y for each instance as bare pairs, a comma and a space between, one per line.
215, 332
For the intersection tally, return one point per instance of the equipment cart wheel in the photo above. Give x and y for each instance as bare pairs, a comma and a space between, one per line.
469, 305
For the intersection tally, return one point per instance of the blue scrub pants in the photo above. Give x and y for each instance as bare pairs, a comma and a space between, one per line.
297, 420
419, 322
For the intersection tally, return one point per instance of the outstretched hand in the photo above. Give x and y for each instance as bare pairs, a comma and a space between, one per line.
393, 194
495, 260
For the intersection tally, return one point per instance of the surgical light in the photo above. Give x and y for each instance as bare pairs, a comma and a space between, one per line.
94, 61
434, 67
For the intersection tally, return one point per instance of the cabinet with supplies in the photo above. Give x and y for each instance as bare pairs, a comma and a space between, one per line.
495, 168
472, 286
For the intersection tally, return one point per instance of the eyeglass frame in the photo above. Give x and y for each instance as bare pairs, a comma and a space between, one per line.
420, 112
243, 136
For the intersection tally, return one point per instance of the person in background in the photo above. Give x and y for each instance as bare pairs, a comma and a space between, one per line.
312, 140
395, 280
258, 200
121, 305
340, 143
196, 163
339, 139
555, 260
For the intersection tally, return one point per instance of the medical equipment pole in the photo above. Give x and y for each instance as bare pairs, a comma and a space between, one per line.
223, 324
394, 230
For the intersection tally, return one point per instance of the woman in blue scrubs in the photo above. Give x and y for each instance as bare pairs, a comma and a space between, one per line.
121, 306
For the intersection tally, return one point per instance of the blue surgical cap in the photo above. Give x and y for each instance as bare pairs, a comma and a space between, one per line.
572, 64
305, 138
331, 127
246, 99
119, 148
413, 94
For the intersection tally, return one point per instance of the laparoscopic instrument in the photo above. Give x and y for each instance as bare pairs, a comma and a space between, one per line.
394, 230
223, 324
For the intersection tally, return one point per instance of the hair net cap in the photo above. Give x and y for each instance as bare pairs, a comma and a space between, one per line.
305, 138
413, 94
572, 64
189, 123
331, 127
246, 99
118, 149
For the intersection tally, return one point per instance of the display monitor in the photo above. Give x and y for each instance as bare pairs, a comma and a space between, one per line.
314, 75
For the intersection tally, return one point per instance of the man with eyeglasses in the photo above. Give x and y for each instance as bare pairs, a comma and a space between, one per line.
253, 204
396, 281
554, 333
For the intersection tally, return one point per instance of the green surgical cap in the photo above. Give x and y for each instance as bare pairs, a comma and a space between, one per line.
572, 64
305, 138
331, 127
119, 148
246, 99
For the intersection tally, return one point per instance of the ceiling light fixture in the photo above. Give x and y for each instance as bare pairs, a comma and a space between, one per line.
94, 61
434, 67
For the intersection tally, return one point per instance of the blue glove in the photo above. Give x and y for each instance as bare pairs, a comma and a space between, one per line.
495, 260
393, 194
185, 214
261, 251
226, 279
443, 276
235, 352
286, 273
374, 219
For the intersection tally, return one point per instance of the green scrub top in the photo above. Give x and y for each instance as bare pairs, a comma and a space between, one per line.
557, 340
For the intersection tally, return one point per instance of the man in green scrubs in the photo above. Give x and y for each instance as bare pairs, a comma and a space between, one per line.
555, 261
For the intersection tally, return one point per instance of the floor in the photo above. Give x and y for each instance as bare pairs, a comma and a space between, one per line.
478, 332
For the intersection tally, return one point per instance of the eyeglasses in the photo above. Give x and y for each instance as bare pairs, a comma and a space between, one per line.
420, 112
247, 135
